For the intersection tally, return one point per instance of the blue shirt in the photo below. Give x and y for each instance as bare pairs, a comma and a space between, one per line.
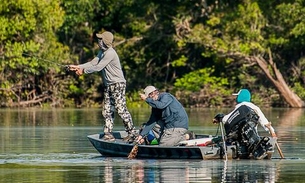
168, 110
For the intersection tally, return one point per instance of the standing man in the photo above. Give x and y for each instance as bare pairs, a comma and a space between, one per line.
168, 112
107, 61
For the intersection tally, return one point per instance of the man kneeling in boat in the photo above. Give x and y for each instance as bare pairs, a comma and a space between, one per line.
241, 128
167, 114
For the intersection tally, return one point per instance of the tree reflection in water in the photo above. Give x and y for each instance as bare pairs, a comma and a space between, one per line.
116, 170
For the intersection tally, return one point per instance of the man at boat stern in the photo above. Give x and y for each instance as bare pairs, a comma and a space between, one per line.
241, 128
243, 97
169, 113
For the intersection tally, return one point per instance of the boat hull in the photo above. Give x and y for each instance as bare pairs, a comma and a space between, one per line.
119, 148
122, 149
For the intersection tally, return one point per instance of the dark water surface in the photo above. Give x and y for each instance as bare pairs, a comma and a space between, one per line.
51, 146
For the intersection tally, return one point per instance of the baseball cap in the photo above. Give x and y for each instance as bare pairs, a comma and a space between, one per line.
237, 93
149, 89
243, 95
107, 38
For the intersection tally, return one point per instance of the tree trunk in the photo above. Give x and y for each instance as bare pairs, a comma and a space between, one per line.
275, 76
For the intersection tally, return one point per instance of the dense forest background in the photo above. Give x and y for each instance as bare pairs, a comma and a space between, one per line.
199, 50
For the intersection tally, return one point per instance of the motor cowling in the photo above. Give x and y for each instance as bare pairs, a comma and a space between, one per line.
239, 118
241, 131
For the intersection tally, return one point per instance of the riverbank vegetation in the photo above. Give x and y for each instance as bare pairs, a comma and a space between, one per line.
202, 51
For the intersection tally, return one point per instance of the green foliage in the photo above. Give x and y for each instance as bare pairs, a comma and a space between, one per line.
201, 48
233, 31
180, 62
75, 90
196, 80
133, 100
299, 90
28, 39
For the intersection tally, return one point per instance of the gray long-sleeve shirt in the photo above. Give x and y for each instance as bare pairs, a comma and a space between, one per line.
167, 109
108, 63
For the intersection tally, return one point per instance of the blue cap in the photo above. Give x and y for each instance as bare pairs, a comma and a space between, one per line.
243, 96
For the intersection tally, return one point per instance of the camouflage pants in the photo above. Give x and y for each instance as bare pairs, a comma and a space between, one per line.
114, 99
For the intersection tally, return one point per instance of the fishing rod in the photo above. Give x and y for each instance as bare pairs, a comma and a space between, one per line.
49, 61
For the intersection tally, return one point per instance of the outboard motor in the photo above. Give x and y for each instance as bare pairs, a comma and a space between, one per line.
241, 131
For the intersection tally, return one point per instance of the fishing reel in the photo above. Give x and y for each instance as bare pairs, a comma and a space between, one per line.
70, 70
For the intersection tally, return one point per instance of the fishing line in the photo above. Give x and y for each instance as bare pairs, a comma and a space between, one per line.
224, 142
49, 61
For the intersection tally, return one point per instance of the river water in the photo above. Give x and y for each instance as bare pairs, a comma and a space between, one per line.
51, 145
